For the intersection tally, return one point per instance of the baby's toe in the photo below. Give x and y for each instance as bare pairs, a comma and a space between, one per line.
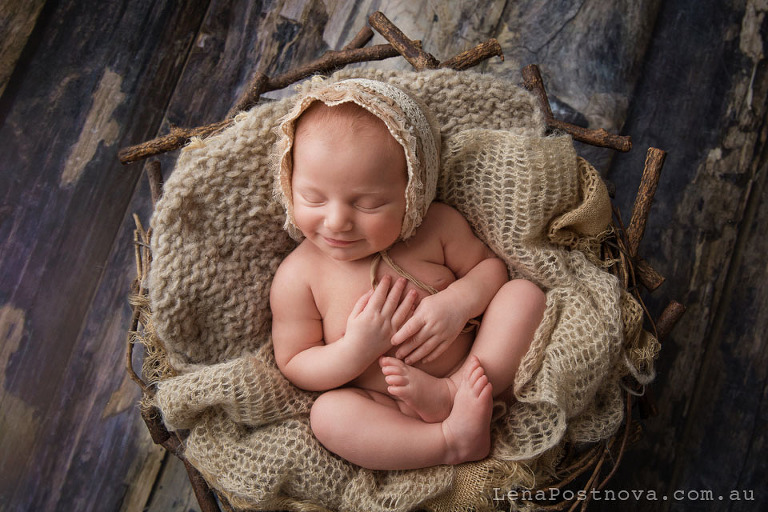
396, 380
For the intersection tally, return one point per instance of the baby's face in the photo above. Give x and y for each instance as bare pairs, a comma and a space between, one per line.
348, 191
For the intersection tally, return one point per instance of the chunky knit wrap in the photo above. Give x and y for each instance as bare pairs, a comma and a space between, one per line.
218, 239
408, 122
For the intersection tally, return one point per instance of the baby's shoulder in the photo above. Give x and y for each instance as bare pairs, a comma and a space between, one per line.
442, 216
295, 269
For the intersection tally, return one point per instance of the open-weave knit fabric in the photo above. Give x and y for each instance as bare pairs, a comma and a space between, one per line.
218, 239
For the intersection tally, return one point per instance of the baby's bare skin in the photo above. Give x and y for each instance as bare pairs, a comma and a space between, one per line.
337, 286
403, 387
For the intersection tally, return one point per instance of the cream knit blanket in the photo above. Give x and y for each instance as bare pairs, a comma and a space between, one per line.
218, 239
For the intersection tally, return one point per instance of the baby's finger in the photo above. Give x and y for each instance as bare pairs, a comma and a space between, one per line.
380, 293
405, 309
414, 342
361, 303
437, 352
422, 350
393, 298
407, 331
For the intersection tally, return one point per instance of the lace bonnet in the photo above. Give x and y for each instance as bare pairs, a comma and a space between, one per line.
407, 119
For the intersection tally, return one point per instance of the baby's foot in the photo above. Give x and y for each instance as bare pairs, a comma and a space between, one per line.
467, 429
431, 398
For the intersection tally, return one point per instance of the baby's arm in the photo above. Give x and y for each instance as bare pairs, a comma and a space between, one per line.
439, 318
297, 331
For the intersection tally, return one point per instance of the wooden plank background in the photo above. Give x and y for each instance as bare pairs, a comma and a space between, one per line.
79, 80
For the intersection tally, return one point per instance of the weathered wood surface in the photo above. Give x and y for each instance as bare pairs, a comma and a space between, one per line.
96, 76
17, 19
707, 235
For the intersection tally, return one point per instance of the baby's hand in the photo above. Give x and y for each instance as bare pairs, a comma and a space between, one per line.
436, 323
378, 315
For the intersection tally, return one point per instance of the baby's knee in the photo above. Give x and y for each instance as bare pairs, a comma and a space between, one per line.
323, 417
333, 415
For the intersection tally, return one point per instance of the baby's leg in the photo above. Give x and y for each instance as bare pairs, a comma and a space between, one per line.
369, 430
507, 330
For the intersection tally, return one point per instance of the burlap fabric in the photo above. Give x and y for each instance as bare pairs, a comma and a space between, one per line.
218, 239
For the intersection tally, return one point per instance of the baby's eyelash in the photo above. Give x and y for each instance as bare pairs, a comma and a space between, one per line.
369, 208
311, 200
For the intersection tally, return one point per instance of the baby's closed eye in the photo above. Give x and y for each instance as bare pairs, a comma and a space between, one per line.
370, 205
312, 199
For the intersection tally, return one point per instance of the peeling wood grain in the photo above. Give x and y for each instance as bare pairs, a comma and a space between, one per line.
345, 18
11, 332
122, 399
100, 127
704, 108
712, 117
56, 242
17, 20
730, 397
590, 54
141, 478
173, 492
19, 422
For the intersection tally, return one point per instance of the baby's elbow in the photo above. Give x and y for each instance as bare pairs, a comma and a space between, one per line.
288, 370
299, 377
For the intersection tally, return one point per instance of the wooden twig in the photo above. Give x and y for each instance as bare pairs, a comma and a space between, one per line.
647, 275
253, 91
225, 505
129, 355
473, 56
636, 268
174, 140
170, 441
139, 238
654, 161
408, 48
329, 61
669, 317
533, 82
599, 137
362, 38
577, 469
205, 496
155, 177
624, 440
155, 425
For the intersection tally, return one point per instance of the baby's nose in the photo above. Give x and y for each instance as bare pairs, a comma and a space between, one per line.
338, 218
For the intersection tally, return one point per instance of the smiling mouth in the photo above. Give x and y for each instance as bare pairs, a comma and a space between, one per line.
338, 243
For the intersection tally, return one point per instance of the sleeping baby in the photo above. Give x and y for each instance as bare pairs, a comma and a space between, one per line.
390, 305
